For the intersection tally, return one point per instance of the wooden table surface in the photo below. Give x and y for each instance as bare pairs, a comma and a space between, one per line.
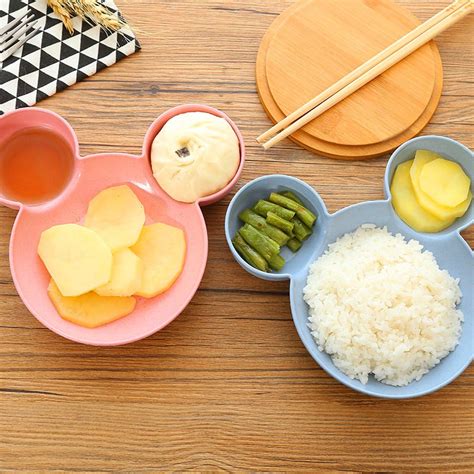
228, 385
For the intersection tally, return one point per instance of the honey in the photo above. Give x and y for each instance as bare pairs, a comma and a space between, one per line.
36, 164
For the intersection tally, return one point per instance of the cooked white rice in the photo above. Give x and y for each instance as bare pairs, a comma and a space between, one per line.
380, 305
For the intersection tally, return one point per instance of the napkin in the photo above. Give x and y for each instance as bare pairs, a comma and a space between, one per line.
53, 59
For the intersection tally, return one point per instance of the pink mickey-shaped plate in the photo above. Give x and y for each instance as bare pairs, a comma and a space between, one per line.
91, 175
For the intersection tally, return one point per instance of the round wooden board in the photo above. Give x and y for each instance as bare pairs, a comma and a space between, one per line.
310, 139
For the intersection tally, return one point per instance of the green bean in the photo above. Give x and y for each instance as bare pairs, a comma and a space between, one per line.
249, 254
302, 232
262, 207
250, 217
304, 214
293, 196
294, 245
277, 221
265, 246
277, 262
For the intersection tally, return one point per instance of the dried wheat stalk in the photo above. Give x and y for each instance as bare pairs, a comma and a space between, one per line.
63, 13
87, 10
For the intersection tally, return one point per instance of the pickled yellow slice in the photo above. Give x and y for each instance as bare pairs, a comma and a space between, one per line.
445, 182
422, 158
407, 207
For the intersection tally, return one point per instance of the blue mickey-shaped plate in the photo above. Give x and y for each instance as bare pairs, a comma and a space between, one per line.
449, 248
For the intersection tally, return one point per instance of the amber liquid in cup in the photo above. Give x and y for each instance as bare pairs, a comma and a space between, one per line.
36, 165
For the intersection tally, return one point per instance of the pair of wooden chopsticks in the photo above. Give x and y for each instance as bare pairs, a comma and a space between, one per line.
366, 72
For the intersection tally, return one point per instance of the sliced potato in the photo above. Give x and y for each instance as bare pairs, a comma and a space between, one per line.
423, 157
90, 310
445, 182
127, 272
407, 207
117, 216
76, 257
162, 248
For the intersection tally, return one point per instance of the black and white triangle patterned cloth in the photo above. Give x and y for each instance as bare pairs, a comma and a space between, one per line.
53, 59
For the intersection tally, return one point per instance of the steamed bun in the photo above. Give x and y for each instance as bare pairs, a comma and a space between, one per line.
195, 154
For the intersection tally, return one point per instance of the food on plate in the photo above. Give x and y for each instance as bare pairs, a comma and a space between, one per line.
380, 305
445, 182
250, 255
430, 192
293, 196
408, 208
301, 231
271, 225
90, 310
76, 257
306, 216
276, 262
253, 219
282, 224
294, 244
423, 157
117, 215
126, 276
94, 277
263, 207
162, 248
195, 154
265, 246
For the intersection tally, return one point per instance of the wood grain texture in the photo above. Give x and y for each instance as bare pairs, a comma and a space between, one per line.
321, 41
309, 136
228, 385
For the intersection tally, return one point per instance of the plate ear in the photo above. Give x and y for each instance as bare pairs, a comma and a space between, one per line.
446, 147
159, 123
261, 188
21, 119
